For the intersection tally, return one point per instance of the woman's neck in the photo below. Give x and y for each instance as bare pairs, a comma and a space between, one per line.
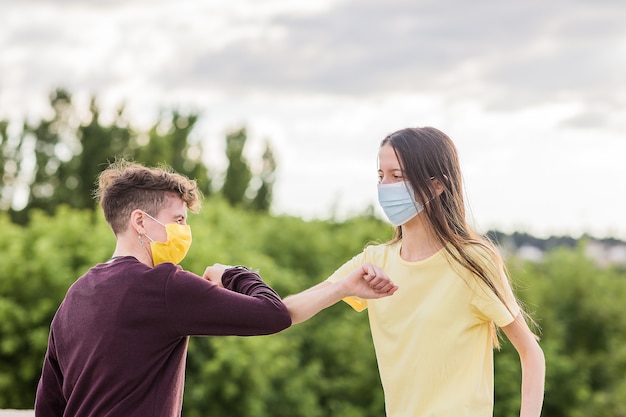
418, 242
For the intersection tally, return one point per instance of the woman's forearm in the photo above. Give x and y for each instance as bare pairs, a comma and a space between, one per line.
308, 303
367, 281
533, 377
533, 366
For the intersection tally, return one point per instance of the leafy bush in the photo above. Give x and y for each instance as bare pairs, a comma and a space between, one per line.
326, 366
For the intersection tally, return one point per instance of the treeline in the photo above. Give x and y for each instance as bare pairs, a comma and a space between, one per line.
326, 366
517, 240
55, 161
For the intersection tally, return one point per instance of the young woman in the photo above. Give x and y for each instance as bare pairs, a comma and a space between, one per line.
434, 337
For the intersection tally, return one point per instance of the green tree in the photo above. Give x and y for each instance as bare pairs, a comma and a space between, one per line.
241, 186
57, 160
168, 142
238, 173
263, 197
69, 150
67, 155
579, 307
10, 165
53, 145
38, 264
98, 145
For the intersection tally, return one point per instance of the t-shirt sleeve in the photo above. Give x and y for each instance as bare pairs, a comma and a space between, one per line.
486, 303
246, 307
357, 303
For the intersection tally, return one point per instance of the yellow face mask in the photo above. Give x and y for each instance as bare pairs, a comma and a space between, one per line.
175, 248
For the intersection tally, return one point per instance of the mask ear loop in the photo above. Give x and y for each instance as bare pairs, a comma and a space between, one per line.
432, 178
149, 238
153, 218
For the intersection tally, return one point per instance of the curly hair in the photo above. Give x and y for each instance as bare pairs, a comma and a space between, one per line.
125, 186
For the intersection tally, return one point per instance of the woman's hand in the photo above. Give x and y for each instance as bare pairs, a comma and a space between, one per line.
368, 281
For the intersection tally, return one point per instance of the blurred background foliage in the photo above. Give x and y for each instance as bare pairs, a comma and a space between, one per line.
326, 366
56, 160
52, 233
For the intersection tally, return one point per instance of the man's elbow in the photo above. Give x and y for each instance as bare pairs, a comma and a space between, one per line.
285, 320
281, 320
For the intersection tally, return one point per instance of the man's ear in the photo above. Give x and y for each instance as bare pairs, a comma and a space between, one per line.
136, 221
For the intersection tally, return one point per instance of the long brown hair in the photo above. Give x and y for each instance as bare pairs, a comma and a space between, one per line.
426, 153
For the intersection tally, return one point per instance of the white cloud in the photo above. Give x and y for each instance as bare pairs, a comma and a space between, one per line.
532, 92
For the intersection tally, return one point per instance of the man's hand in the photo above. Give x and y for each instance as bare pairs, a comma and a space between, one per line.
368, 281
214, 274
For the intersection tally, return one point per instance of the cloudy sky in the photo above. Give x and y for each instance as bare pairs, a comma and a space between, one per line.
532, 92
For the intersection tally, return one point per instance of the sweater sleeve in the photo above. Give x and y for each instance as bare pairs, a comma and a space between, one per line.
244, 281
246, 306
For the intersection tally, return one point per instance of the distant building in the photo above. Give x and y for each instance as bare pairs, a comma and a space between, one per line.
529, 253
605, 252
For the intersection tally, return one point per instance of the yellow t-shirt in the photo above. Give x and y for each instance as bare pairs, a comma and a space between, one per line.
432, 337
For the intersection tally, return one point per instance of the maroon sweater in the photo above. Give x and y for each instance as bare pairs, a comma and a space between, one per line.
118, 342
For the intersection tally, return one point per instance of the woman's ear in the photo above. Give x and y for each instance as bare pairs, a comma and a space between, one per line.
439, 187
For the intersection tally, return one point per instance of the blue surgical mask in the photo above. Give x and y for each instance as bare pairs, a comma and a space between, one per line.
398, 202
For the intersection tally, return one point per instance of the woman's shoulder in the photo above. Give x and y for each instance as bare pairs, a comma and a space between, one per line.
482, 253
482, 250
380, 248
379, 253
